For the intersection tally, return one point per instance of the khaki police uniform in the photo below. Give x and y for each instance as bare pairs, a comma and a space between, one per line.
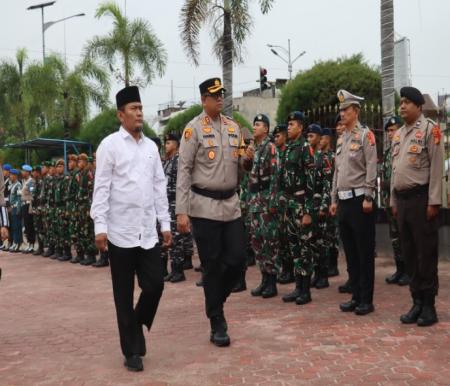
207, 181
416, 182
355, 179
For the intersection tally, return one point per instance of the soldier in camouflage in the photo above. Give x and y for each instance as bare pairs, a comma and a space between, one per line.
261, 162
299, 208
39, 172
48, 196
400, 276
175, 251
60, 186
88, 232
286, 263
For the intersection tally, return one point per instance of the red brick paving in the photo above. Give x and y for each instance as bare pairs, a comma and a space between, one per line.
57, 327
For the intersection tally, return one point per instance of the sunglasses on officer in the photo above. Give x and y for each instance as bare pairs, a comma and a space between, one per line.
216, 95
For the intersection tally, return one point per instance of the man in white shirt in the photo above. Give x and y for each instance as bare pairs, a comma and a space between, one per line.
129, 198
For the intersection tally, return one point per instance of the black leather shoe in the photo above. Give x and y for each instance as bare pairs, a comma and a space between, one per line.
259, 290
348, 306
270, 290
428, 316
345, 288
393, 279
134, 363
413, 314
177, 276
403, 280
292, 296
219, 335
364, 309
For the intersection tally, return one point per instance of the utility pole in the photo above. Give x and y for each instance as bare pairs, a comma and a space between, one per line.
287, 52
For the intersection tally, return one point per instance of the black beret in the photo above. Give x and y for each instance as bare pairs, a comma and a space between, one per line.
171, 137
314, 128
37, 168
337, 119
326, 131
413, 94
262, 118
281, 128
127, 95
211, 86
394, 120
296, 116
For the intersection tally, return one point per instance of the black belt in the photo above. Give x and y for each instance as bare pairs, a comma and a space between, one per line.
416, 191
214, 194
255, 188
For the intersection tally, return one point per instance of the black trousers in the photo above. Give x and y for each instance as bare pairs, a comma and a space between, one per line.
221, 248
146, 265
27, 218
420, 243
357, 230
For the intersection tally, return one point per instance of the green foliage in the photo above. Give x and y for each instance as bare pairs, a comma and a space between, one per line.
177, 123
104, 124
319, 85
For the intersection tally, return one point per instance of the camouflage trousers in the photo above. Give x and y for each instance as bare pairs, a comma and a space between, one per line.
50, 226
177, 250
63, 240
84, 232
326, 239
394, 234
283, 242
39, 226
301, 242
264, 237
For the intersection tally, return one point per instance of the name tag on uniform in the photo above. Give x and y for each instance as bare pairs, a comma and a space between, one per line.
345, 195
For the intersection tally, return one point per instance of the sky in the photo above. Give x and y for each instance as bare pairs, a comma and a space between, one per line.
325, 29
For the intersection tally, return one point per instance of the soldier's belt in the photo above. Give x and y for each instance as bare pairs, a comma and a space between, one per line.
295, 191
255, 188
352, 193
415, 191
214, 194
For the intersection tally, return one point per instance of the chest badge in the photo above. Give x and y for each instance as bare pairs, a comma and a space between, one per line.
211, 155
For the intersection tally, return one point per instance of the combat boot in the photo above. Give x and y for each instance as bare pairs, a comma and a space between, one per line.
219, 335
322, 281
50, 251
290, 297
270, 290
315, 276
259, 290
78, 258
177, 273
57, 254
287, 274
187, 263
305, 293
394, 278
345, 288
333, 263
241, 284
39, 250
413, 314
67, 255
428, 316
403, 280
103, 261
89, 260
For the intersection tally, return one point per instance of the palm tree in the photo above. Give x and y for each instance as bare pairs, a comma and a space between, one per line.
231, 24
131, 42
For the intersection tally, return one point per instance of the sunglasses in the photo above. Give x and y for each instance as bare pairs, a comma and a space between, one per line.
216, 96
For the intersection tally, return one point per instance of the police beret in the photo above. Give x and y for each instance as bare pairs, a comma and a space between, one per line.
127, 95
7, 167
14, 171
211, 86
326, 131
60, 162
171, 137
27, 168
337, 119
83, 157
314, 128
262, 118
296, 116
281, 128
394, 120
413, 94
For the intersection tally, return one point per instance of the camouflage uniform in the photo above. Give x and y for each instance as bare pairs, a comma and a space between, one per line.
262, 188
50, 211
62, 221
283, 244
71, 204
243, 198
38, 214
386, 172
85, 228
43, 209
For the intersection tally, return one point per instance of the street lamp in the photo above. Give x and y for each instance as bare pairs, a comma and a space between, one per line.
288, 53
47, 25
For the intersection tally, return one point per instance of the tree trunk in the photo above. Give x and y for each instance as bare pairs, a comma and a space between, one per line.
227, 60
387, 58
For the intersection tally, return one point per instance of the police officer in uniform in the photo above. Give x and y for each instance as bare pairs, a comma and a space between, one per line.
207, 182
354, 184
416, 197
400, 276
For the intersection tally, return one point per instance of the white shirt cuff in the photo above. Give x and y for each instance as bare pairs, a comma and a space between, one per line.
165, 226
100, 228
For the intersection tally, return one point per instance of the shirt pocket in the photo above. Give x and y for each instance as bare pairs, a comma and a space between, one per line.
211, 148
416, 155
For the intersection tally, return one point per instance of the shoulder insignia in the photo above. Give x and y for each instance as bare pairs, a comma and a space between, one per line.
437, 135
371, 137
188, 133
231, 129
397, 138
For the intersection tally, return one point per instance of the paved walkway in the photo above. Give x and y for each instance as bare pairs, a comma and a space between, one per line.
57, 327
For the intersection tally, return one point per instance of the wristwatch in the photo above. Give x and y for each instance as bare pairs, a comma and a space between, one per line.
368, 198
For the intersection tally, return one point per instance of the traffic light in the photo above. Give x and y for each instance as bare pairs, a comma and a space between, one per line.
263, 85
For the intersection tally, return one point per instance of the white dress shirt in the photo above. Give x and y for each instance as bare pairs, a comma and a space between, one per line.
129, 191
